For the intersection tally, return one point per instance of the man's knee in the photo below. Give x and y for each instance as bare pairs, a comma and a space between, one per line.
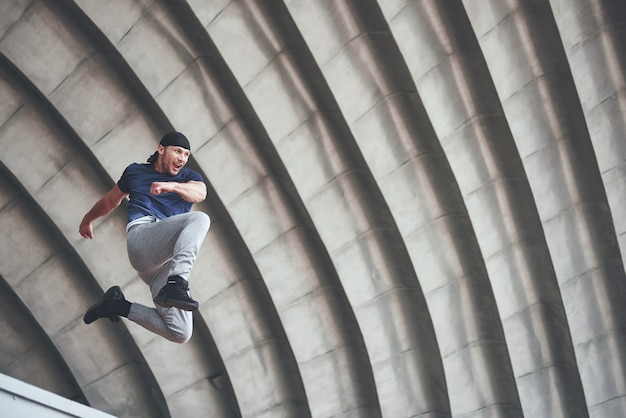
200, 220
179, 324
180, 336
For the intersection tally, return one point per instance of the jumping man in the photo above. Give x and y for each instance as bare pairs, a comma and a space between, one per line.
163, 238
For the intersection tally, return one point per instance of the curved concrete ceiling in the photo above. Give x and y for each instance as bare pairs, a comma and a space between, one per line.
417, 206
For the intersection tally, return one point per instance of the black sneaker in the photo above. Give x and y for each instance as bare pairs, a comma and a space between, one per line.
175, 294
111, 306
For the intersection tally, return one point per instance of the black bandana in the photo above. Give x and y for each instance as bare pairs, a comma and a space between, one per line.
175, 139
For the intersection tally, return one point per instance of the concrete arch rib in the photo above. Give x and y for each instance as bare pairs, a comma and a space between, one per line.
344, 203
364, 159
189, 390
593, 38
525, 56
397, 140
28, 353
445, 60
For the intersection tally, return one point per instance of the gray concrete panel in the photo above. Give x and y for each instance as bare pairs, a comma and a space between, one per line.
243, 320
153, 42
305, 317
236, 25
367, 71
228, 164
249, 355
125, 142
20, 238
48, 39
27, 350
264, 203
198, 91
118, 384
593, 42
341, 203
115, 25
85, 92
10, 12
361, 254
470, 149
565, 180
466, 114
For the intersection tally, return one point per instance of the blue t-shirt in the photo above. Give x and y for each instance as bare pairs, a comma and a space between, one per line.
137, 179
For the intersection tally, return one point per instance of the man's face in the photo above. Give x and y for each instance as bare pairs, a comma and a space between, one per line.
171, 159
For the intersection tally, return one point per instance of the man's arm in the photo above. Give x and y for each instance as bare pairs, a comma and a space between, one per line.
193, 191
104, 206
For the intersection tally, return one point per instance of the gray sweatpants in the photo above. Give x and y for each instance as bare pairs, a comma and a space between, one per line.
158, 250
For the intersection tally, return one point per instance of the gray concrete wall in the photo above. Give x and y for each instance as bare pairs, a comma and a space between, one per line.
416, 205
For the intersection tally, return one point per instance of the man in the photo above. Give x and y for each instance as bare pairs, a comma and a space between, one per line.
163, 238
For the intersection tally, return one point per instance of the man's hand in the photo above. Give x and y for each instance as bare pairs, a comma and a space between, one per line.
192, 191
85, 229
159, 187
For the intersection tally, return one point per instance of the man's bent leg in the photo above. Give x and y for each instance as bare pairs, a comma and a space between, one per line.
173, 324
164, 252
175, 241
193, 229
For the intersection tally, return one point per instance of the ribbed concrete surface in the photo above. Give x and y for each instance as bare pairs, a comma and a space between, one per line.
418, 206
